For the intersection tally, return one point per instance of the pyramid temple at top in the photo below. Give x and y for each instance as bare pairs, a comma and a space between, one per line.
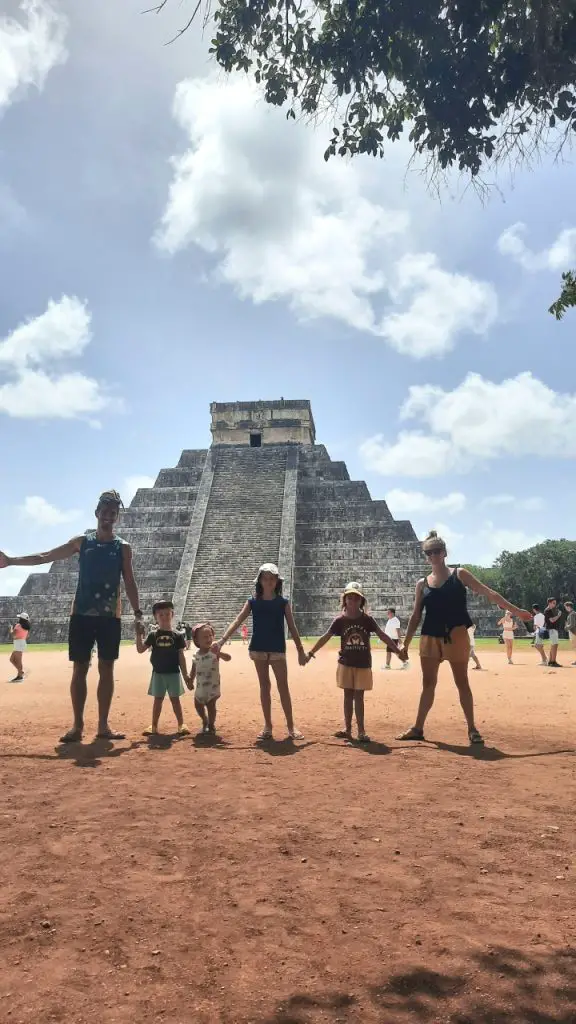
263, 492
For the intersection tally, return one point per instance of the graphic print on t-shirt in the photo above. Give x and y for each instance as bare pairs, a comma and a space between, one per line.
207, 677
355, 642
165, 645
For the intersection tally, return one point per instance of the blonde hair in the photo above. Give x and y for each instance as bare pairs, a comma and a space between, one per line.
433, 540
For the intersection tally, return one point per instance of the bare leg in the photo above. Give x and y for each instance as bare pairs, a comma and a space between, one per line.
78, 693
177, 707
429, 679
201, 711
105, 694
460, 673
553, 652
16, 659
348, 711
359, 709
388, 657
211, 708
474, 657
508, 644
280, 670
542, 653
263, 671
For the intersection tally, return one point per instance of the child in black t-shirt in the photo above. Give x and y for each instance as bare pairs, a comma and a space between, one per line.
166, 645
354, 672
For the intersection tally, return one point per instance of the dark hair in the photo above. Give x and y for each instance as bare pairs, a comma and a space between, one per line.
159, 606
109, 498
25, 623
552, 599
393, 610
259, 589
535, 607
363, 603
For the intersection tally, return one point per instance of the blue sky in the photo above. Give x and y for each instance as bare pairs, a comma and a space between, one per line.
166, 240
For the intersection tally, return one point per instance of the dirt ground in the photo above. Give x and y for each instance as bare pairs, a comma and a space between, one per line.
177, 881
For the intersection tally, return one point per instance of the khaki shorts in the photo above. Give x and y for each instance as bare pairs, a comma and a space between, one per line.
267, 656
348, 678
458, 650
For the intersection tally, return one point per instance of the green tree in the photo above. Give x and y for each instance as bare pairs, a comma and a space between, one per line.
533, 575
470, 81
489, 575
567, 297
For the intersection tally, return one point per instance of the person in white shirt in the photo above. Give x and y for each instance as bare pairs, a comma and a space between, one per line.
539, 624
473, 655
392, 629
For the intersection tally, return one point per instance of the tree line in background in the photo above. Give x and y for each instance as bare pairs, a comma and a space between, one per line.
532, 576
471, 82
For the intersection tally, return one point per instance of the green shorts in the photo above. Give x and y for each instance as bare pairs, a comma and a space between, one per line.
163, 683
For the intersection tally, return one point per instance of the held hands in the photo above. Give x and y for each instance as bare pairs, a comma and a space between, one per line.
303, 658
188, 682
402, 654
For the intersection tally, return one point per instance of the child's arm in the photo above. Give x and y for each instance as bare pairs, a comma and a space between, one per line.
224, 656
320, 643
302, 657
189, 680
245, 612
391, 644
142, 644
183, 665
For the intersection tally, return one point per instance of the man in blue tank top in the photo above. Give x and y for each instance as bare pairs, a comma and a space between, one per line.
103, 561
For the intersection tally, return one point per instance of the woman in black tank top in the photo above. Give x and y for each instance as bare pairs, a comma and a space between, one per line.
441, 596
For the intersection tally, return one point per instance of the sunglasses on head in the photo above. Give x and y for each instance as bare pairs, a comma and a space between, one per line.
434, 551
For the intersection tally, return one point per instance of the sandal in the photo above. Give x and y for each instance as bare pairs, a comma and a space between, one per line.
412, 734
150, 731
343, 734
363, 738
183, 730
295, 734
266, 734
475, 737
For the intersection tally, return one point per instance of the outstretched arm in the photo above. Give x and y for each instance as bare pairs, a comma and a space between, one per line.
320, 643
129, 581
302, 658
390, 644
234, 625
72, 547
414, 621
492, 595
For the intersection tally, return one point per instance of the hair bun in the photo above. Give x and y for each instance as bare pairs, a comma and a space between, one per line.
431, 534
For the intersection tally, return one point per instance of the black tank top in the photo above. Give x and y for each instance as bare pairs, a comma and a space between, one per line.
445, 607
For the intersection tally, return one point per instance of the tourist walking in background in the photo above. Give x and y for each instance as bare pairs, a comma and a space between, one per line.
104, 560
166, 646
508, 627
571, 627
392, 630
473, 655
205, 674
19, 633
552, 618
244, 633
540, 633
270, 612
354, 671
441, 597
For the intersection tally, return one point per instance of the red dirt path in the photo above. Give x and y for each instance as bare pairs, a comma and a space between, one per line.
296, 884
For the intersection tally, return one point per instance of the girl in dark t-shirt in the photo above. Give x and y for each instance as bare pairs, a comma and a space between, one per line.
354, 672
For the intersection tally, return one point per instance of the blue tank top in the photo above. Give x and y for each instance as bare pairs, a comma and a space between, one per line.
268, 624
100, 565
445, 607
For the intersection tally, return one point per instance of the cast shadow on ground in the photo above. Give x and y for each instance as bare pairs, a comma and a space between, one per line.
282, 748
83, 755
497, 986
374, 747
487, 753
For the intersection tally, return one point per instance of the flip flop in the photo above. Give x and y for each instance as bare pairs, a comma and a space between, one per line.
295, 734
342, 734
412, 734
364, 738
72, 736
110, 735
475, 737
266, 734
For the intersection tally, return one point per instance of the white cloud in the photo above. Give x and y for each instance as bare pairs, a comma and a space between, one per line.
30, 48
491, 541
526, 504
281, 224
62, 331
559, 256
415, 502
479, 420
441, 305
41, 512
131, 485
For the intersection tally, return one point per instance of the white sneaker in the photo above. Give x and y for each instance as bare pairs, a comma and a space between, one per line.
384, 668
405, 665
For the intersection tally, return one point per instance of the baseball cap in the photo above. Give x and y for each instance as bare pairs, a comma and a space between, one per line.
269, 567
353, 588
23, 615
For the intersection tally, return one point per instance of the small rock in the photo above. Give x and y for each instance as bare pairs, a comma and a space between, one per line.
483, 871
303, 860
155, 952
46, 924
396, 853
376, 840
560, 878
